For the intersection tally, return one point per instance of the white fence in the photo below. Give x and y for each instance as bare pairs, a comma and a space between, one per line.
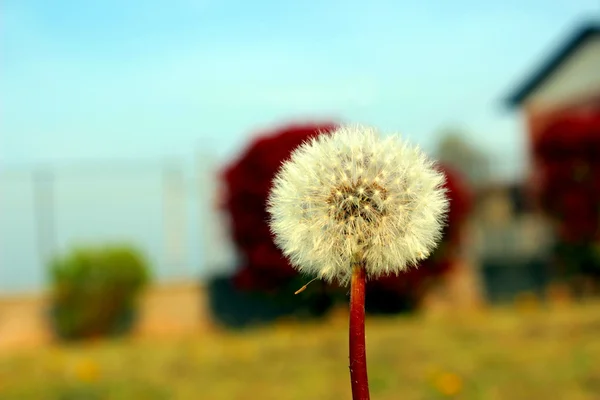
164, 208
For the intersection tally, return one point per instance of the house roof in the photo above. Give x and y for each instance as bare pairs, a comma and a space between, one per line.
540, 75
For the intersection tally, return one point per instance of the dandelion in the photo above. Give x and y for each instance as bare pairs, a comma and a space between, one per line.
350, 205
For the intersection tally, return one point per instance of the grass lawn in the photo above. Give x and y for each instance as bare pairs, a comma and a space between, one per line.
521, 353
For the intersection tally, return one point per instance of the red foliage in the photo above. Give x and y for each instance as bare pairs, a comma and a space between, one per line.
412, 283
568, 156
572, 137
461, 202
248, 181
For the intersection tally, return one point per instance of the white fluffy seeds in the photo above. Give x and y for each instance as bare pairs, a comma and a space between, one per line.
351, 196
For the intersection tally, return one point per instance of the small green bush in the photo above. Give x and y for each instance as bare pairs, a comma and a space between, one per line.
94, 291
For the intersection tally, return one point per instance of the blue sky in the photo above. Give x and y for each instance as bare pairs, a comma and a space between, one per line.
142, 79
153, 79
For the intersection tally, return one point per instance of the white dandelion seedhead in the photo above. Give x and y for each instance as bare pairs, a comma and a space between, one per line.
351, 196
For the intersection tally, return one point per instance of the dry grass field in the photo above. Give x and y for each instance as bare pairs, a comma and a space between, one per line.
525, 352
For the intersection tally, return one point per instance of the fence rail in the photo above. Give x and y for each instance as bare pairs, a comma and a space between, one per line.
163, 207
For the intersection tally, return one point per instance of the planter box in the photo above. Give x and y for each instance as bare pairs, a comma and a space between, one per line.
236, 309
504, 279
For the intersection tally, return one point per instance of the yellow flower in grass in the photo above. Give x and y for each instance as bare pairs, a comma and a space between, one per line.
448, 383
87, 371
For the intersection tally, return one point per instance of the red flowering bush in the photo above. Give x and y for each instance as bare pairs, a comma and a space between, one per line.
568, 156
248, 181
404, 292
568, 161
265, 269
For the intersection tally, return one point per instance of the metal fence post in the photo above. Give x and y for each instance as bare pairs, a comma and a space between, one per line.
44, 212
175, 221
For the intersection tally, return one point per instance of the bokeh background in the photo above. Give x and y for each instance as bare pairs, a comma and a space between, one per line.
138, 141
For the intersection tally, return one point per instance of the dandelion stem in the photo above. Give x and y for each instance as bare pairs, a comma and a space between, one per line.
358, 355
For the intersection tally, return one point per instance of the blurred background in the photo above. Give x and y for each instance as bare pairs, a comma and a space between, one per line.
138, 141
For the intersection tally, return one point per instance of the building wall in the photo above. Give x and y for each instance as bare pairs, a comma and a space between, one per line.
575, 86
577, 78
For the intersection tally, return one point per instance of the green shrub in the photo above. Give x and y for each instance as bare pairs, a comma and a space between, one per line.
94, 291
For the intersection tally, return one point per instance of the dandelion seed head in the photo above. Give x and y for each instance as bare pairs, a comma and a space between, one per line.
352, 196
